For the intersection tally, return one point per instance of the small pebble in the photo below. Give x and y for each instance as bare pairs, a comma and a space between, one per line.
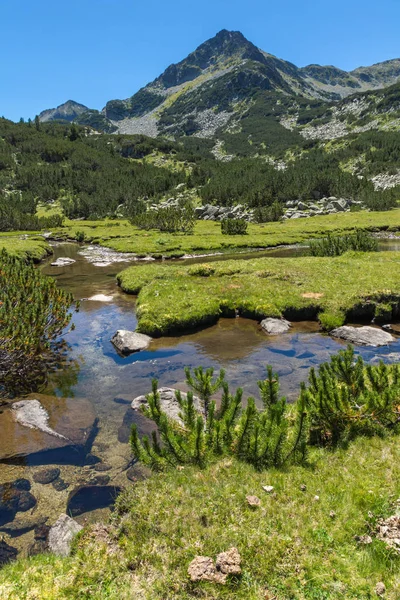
253, 500
380, 588
303, 487
316, 498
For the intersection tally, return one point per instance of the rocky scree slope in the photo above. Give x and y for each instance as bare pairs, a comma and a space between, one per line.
216, 84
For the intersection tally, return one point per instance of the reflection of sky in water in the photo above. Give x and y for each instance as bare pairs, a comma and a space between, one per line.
237, 345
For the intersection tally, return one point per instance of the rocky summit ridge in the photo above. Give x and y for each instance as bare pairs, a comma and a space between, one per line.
213, 87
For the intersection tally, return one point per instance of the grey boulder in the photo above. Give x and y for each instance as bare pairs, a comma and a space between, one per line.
168, 402
127, 342
275, 326
61, 535
366, 336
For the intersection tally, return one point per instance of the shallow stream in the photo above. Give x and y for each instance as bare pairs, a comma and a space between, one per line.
97, 373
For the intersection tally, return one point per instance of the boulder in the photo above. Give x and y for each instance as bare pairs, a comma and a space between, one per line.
127, 342
44, 429
339, 205
302, 206
366, 336
168, 402
63, 261
275, 326
61, 535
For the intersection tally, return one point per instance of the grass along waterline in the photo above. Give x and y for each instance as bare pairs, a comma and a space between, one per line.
294, 546
121, 236
177, 297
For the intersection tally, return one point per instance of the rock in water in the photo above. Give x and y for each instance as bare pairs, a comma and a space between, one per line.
63, 262
14, 499
127, 342
40, 424
275, 326
46, 475
366, 336
168, 402
61, 535
31, 413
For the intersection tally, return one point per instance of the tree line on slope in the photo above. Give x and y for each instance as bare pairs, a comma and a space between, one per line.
91, 175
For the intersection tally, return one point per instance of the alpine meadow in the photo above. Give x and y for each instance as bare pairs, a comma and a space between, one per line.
200, 331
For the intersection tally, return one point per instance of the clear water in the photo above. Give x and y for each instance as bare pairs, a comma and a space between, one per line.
96, 372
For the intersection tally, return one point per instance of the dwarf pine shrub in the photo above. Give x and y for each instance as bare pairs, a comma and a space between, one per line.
262, 438
234, 227
335, 245
346, 398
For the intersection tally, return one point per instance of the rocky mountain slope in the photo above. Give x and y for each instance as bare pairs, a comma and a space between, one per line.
217, 84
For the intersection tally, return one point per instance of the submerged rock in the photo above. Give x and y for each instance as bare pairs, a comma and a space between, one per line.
275, 326
46, 476
127, 342
47, 429
13, 499
61, 535
63, 261
86, 498
366, 336
168, 402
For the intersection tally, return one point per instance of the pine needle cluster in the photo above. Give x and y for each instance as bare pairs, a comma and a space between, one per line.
261, 437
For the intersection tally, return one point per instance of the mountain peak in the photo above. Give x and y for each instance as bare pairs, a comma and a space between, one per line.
224, 46
68, 111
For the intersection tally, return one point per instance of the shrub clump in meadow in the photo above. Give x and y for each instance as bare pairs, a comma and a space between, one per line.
234, 227
344, 399
335, 245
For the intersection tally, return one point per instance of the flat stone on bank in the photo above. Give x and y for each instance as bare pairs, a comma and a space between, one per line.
127, 342
275, 326
366, 336
61, 535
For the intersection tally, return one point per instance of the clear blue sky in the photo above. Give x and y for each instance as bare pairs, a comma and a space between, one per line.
92, 51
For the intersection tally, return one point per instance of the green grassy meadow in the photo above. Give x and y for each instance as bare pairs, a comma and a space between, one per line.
295, 546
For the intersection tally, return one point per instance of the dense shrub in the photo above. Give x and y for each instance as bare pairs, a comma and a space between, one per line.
171, 219
268, 214
261, 438
33, 314
234, 227
344, 399
335, 245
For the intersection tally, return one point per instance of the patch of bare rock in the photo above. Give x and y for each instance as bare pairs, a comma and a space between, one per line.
168, 402
202, 568
61, 535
